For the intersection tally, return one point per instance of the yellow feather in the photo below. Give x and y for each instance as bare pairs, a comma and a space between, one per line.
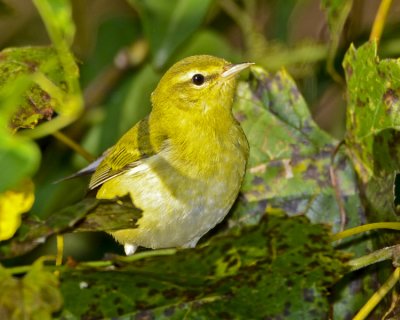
182, 165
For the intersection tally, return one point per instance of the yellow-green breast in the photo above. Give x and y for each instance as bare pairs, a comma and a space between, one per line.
184, 164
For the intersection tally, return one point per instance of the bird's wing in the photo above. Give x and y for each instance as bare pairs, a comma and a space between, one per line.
89, 169
127, 153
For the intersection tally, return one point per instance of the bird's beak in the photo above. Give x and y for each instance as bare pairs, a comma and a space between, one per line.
233, 69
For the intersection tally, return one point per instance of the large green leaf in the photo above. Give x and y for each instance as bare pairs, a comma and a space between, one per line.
290, 155
52, 73
35, 84
89, 214
281, 268
32, 89
57, 17
289, 168
372, 136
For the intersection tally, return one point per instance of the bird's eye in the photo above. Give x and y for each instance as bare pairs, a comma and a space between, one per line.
198, 79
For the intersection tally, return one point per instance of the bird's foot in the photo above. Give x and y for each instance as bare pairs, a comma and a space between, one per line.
192, 243
130, 249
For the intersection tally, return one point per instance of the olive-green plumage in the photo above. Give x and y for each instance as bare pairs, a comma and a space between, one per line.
183, 164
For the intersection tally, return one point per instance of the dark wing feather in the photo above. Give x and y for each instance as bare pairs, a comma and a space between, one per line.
89, 169
134, 146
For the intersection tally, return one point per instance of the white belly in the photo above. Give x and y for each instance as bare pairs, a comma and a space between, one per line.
178, 207
177, 210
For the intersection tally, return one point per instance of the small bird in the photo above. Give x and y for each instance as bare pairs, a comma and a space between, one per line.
184, 163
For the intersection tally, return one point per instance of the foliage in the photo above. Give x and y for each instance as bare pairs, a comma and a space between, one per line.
216, 280
273, 256
35, 296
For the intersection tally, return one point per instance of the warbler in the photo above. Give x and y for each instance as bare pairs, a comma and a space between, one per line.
184, 163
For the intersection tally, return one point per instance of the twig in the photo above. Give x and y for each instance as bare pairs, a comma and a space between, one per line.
372, 258
73, 145
99, 263
146, 254
366, 227
27, 268
60, 252
378, 296
135, 257
336, 34
380, 20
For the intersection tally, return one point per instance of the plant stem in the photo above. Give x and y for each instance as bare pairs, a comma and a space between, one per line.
73, 145
25, 269
135, 257
146, 254
374, 257
60, 253
364, 228
99, 263
336, 33
96, 264
380, 20
378, 295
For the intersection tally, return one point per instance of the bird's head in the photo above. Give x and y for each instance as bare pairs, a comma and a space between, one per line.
198, 84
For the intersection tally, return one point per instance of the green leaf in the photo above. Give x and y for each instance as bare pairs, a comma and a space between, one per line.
289, 168
373, 106
57, 17
168, 24
34, 86
290, 155
35, 296
280, 268
36, 104
372, 127
111, 215
21, 158
89, 214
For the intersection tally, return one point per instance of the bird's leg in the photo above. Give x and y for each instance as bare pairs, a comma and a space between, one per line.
192, 243
130, 249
